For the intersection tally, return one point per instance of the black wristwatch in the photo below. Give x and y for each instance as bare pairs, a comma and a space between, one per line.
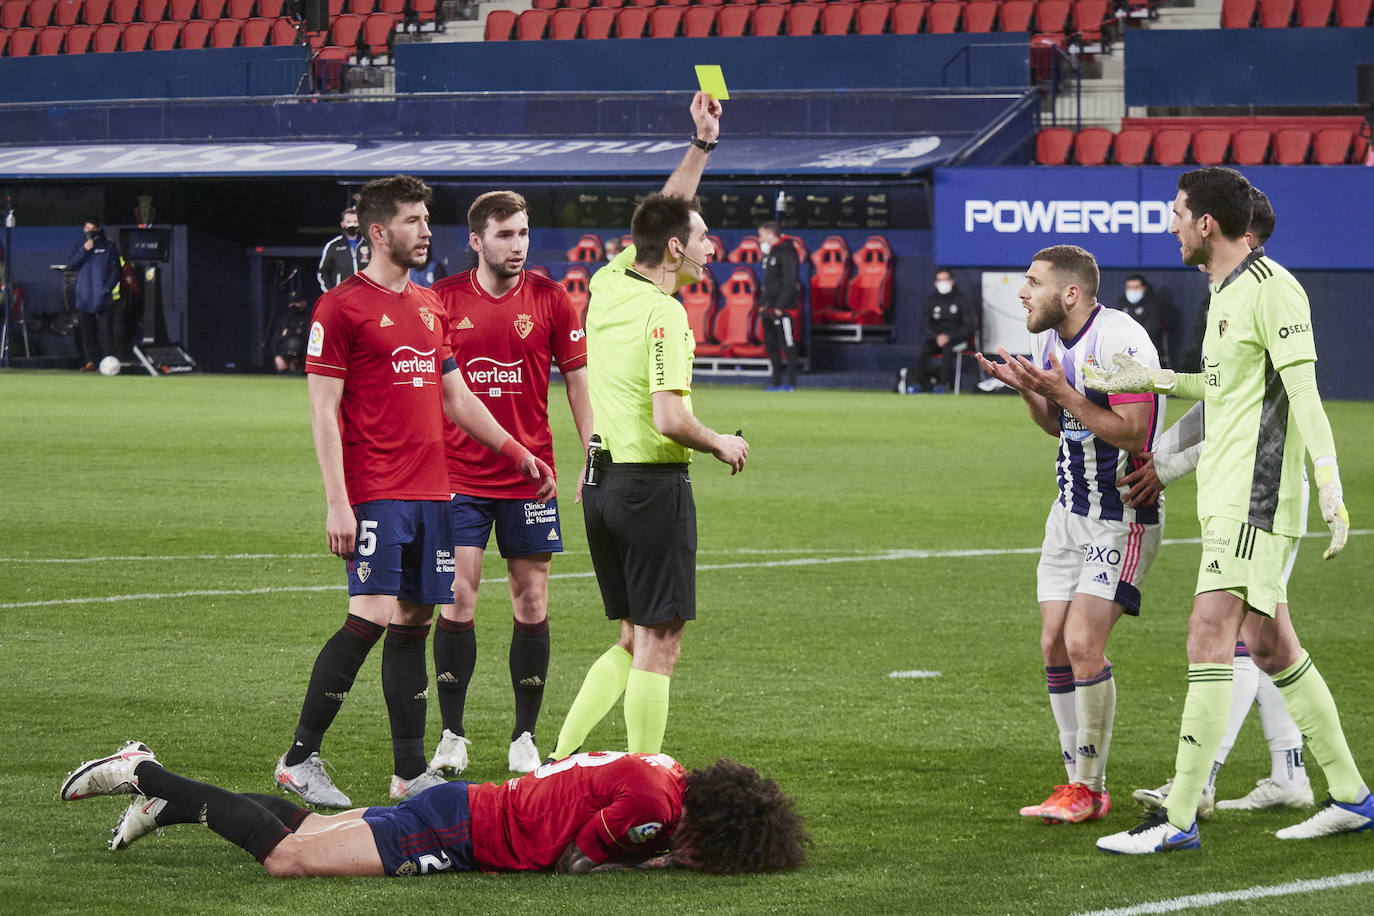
703, 144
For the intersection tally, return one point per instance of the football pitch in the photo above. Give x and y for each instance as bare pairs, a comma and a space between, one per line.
165, 578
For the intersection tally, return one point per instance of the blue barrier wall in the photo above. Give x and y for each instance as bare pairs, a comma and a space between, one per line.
749, 64
212, 72
1271, 67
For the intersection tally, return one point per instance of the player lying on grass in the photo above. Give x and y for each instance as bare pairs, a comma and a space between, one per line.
596, 811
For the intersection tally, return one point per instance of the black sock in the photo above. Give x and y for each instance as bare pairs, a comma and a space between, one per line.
289, 814
529, 669
405, 684
330, 680
455, 657
240, 820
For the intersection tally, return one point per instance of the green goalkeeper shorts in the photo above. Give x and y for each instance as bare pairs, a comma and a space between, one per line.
1246, 561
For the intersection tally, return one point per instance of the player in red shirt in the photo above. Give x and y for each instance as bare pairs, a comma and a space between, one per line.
505, 327
583, 813
380, 379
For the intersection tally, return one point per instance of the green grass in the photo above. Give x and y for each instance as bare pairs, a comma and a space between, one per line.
910, 787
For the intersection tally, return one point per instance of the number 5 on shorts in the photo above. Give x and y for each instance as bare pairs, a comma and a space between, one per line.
367, 538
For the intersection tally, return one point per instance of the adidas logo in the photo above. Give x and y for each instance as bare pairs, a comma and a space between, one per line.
446, 677
1102, 579
465, 325
423, 694
385, 322
1189, 739
1213, 567
336, 697
553, 535
533, 680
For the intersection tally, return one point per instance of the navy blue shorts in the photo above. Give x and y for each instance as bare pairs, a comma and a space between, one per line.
428, 833
404, 549
523, 526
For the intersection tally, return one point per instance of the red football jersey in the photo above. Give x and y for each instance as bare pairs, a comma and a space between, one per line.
504, 348
389, 349
614, 805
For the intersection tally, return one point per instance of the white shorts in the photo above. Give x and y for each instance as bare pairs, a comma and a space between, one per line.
1093, 557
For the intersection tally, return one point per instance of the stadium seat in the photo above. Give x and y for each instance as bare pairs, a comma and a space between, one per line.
50, 40
1291, 146
943, 18
664, 21
597, 22
588, 248
549, 5
106, 38
1331, 146
1131, 146
377, 34
185, 10
343, 33
1052, 145
77, 40
360, 7
980, 15
499, 26
12, 14
735, 322
95, 12
837, 17
66, 13
871, 18
1314, 14
698, 21
1210, 145
1171, 145
575, 282
274, 9
1052, 16
829, 277
1016, 15
163, 37
747, 251
1250, 146
869, 297
564, 24
235, 9
40, 13
152, 10
195, 34
531, 25
1091, 146
285, 32
124, 11
1352, 14
135, 37
1088, 19
908, 16
731, 21
631, 21
1276, 14
804, 18
767, 20
699, 299
674, 2
224, 33
21, 42
255, 33
1237, 14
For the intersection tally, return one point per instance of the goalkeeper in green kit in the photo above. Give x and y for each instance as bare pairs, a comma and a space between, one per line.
1259, 387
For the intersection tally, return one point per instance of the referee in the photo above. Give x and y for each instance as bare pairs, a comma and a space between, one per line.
640, 517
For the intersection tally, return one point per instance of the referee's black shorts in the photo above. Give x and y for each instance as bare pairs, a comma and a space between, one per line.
642, 530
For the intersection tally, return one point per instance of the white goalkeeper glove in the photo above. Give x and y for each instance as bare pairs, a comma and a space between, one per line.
1131, 376
1332, 504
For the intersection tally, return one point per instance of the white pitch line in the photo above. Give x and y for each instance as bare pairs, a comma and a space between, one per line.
1349, 879
168, 558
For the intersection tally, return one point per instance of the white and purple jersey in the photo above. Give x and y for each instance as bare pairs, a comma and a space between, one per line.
1089, 468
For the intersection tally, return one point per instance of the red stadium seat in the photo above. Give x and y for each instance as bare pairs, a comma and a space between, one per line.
274, 9
1237, 14
699, 299
106, 38
530, 25
734, 326
12, 14
1276, 14
871, 18
218, 9
224, 33
870, 291
195, 34
1291, 145
549, 5
647, 4
980, 15
1352, 14
767, 20
50, 40
1171, 145
698, 21
135, 37
1210, 145
1314, 14
829, 276
285, 32
40, 13
1091, 146
66, 13
378, 29
1132, 145
360, 7
255, 33
631, 21
342, 34
1331, 145
1016, 15
837, 17
575, 282
564, 24
731, 21
235, 9
597, 22
95, 12
499, 25
664, 21
77, 40
908, 16
21, 42
152, 10
163, 37
1089, 17
746, 252
1250, 146
1052, 145
804, 18
943, 18
588, 248
1052, 16
185, 10
123, 10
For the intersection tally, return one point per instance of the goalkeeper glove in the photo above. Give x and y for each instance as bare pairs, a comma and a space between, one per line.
1131, 376
1332, 504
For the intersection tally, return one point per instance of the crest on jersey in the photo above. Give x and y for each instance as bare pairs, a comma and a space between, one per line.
523, 325
644, 832
1221, 328
427, 317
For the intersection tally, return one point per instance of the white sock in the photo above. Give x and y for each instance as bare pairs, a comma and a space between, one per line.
1065, 709
1286, 765
1243, 686
1096, 709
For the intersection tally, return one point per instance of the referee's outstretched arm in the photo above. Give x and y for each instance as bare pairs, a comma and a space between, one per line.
706, 113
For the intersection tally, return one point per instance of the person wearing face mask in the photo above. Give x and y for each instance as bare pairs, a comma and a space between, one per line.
1140, 302
948, 322
778, 293
98, 268
344, 255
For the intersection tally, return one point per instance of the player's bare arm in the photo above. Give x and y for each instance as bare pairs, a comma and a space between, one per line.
580, 403
706, 113
340, 525
470, 415
674, 420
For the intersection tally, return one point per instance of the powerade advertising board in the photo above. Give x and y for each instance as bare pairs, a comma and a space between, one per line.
1001, 216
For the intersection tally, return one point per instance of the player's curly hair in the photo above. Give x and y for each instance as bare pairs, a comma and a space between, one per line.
736, 821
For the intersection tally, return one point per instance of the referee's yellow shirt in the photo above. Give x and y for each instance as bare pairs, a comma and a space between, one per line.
638, 342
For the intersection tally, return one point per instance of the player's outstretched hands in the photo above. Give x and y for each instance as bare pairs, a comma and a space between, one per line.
732, 450
706, 112
1130, 376
1331, 501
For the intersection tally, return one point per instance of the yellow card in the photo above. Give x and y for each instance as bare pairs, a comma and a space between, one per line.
712, 81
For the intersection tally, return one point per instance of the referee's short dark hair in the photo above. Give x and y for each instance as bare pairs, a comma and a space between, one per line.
497, 205
380, 198
658, 218
1077, 264
1262, 218
1223, 194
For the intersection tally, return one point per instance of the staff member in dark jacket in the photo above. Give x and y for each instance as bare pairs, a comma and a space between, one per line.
97, 264
781, 286
343, 255
949, 322
1150, 311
